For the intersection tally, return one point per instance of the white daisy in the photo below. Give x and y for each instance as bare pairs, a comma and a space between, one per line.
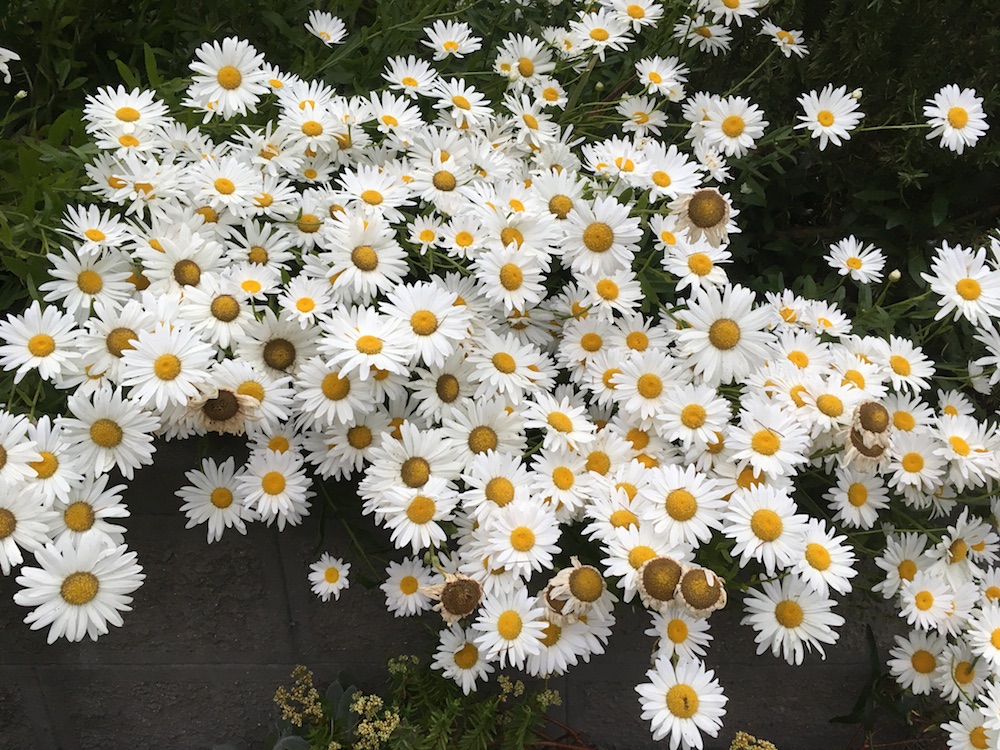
788, 615
213, 498
829, 115
509, 627
957, 116
329, 576
682, 701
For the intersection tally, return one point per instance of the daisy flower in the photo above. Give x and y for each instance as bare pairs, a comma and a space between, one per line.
166, 366
459, 659
926, 600
914, 461
763, 523
862, 263
403, 587
327, 27
410, 75
966, 283
415, 514
95, 230
961, 676
629, 548
682, 701
213, 498
38, 339
915, 659
363, 340
509, 627
451, 39
108, 430
460, 101
788, 41
826, 562
88, 511
276, 487
6, 56
229, 78
733, 124
562, 645
600, 238
24, 524
957, 116
565, 424
968, 731
601, 31
329, 576
829, 115
908, 367
683, 504
79, 589
523, 536
788, 615
769, 439
726, 339
679, 632
511, 277
857, 498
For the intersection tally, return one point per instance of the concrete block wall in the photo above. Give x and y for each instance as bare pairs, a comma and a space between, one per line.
216, 628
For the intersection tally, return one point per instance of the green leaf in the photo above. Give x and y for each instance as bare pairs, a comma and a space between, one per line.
130, 78
150, 59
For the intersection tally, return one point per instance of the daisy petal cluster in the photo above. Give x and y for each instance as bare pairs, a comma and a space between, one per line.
519, 341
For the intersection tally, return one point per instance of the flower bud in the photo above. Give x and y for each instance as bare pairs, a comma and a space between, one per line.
895, 275
22, 94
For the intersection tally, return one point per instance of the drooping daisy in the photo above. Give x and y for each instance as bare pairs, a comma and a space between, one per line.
329, 576
957, 116
788, 41
79, 589
682, 701
789, 617
629, 548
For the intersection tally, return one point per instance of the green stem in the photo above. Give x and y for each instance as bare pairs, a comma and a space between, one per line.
753, 72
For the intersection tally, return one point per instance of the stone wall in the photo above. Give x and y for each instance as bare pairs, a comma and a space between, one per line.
217, 627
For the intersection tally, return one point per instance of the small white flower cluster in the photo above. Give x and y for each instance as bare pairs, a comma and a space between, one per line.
441, 294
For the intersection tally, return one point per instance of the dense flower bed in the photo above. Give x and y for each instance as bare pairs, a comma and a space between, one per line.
527, 346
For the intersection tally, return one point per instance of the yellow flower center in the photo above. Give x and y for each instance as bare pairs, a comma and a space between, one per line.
370, 345
221, 497
830, 405
637, 341
923, 661
598, 237
79, 516
273, 483
623, 519
229, 77
765, 442
649, 385
825, 118
504, 363
335, 387
707, 208
958, 551
912, 462
278, 444
331, 574
41, 345
415, 471
693, 416
79, 588
372, 197
681, 505
607, 289
225, 186
106, 433
733, 126
958, 117
959, 445
509, 625
408, 585
522, 539
89, 282
510, 276
640, 554
766, 524
167, 366
599, 35
978, 738
7, 523
461, 102
421, 509
857, 494
464, 239
467, 656
47, 466
788, 614
560, 205
907, 569
499, 491
560, 422
699, 264
682, 701
817, 556
482, 439
900, 365
903, 420
968, 289
924, 600
724, 334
